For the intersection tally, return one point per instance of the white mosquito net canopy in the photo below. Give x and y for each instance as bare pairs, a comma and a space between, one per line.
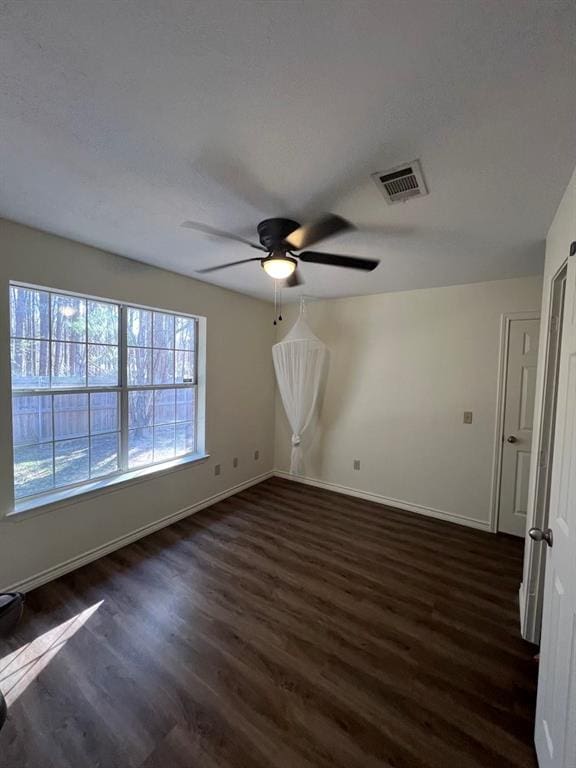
299, 361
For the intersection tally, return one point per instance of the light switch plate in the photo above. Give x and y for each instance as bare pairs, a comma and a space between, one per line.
256, 455
235, 462
467, 417
356, 463
216, 469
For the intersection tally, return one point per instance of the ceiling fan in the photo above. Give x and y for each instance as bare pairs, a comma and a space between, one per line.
279, 238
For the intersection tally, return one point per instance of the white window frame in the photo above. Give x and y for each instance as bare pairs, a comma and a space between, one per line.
124, 474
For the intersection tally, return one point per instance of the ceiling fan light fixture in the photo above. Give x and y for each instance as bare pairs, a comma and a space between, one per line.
279, 266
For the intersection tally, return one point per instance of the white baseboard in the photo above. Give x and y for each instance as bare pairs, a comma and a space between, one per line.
94, 554
87, 557
521, 604
482, 525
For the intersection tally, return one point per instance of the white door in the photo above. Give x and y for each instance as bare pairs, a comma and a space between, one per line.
520, 389
555, 735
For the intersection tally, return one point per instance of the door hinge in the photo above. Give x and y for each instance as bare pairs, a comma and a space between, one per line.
543, 459
554, 323
573, 248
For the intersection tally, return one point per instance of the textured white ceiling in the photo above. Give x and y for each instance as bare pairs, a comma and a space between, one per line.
119, 120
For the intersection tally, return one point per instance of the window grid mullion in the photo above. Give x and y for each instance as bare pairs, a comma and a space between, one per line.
50, 344
174, 350
87, 379
62, 391
89, 435
86, 376
123, 347
154, 422
53, 444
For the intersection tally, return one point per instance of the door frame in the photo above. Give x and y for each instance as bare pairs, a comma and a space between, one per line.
505, 319
531, 608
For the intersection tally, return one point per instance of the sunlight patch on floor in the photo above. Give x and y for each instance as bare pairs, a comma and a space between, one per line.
21, 667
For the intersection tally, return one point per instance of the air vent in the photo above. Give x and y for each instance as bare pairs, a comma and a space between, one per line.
401, 183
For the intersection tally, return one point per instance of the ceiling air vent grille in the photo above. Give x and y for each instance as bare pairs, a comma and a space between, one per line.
401, 183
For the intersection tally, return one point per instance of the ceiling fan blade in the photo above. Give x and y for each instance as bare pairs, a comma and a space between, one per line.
224, 266
229, 175
314, 231
206, 230
294, 280
335, 260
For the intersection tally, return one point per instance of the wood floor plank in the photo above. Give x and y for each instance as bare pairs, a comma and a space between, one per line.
285, 627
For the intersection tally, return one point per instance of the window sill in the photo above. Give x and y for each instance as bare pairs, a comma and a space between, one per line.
69, 496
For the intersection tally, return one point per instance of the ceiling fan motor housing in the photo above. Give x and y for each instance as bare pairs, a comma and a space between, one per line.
273, 232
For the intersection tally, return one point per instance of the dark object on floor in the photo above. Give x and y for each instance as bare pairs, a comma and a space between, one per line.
3, 710
11, 607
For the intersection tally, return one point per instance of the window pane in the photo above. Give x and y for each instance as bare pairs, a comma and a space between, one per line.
33, 470
140, 409
102, 322
71, 461
139, 327
163, 367
70, 416
140, 447
31, 419
30, 364
185, 333
164, 443
68, 318
163, 330
184, 438
103, 412
164, 406
68, 364
102, 366
29, 313
60, 342
184, 367
185, 401
139, 366
103, 454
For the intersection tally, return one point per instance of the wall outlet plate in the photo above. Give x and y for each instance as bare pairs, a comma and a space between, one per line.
235, 462
356, 463
467, 417
256, 455
216, 469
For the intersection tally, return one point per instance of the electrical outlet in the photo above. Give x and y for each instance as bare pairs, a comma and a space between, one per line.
216, 469
256, 455
356, 463
467, 417
235, 462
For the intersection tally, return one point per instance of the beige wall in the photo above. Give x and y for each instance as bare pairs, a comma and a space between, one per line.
403, 368
239, 411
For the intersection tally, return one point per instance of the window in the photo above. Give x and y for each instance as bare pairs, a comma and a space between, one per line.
98, 389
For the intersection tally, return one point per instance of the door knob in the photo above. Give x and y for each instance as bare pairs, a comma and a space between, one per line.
512, 439
537, 534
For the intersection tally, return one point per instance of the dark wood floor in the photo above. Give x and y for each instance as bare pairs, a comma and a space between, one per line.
286, 627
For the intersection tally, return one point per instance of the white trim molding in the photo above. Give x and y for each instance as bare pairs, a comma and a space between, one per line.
521, 603
61, 569
105, 549
439, 514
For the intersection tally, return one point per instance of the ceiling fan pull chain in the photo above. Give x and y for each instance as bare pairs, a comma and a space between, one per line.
275, 286
280, 310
